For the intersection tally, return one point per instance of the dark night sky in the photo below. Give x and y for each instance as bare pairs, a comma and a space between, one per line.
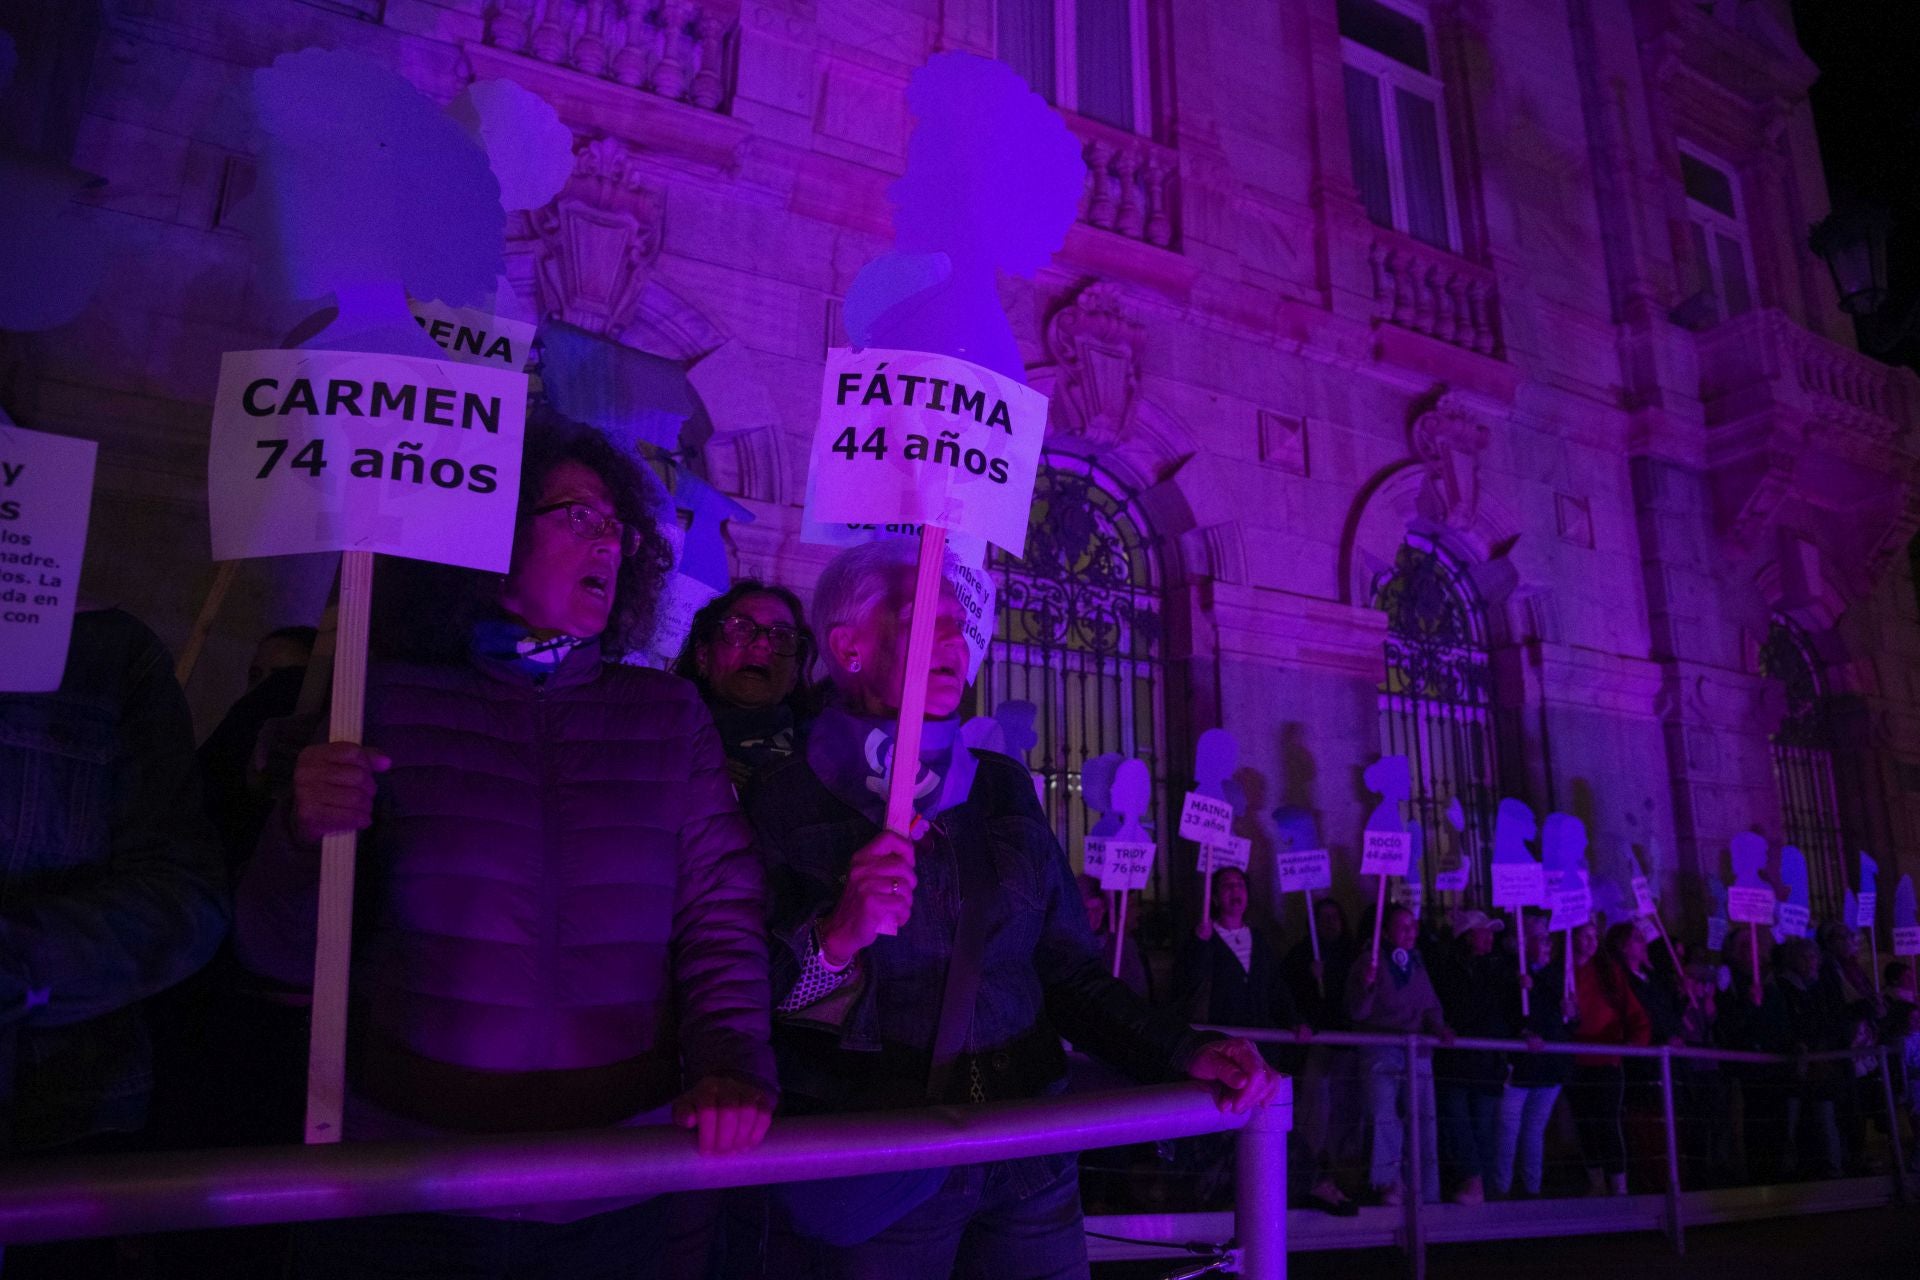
1866, 107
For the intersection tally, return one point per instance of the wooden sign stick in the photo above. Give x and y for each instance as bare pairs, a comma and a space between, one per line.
905, 769
1313, 936
1379, 919
333, 946
1753, 945
1206, 886
1520, 931
209, 610
1570, 983
1120, 933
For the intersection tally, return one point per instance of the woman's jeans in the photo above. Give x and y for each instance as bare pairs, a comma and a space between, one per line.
1470, 1123
1385, 1073
1596, 1095
1524, 1112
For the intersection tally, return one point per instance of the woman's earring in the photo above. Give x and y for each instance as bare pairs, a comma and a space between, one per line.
854, 666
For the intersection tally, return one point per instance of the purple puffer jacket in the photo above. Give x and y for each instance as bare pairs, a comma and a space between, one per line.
559, 906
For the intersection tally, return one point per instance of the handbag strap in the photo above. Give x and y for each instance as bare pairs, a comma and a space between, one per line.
962, 988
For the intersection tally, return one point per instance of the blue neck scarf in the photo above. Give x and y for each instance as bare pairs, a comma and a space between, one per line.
851, 753
513, 641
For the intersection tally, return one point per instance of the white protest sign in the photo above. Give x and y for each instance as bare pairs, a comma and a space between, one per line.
1205, 819
966, 570
1386, 853
350, 451
1795, 920
1519, 884
1750, 906
680, 598
1454, 879
1221, 853
977, 599
1716, 932
475, 337
913, 436
1571, 908
1093, 858
1643, 903
1127, 864
1410, 893
1304, 869
46, 491
1906, 940
1649, 928
1865, 908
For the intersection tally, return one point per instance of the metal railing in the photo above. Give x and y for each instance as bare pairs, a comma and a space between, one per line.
43, 1200
1413, 1230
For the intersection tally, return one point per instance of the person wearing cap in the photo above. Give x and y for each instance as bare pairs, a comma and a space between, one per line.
1468, 1083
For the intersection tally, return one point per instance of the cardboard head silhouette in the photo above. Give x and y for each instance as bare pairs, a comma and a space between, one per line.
1295, 829
1389, 778
1096, 792
1214, 758
1903, 907
1513, 826
1716, 898
1748, 852
1869, 873
363, 179
1132, 788
1563, 844
1793, 876
1016, 727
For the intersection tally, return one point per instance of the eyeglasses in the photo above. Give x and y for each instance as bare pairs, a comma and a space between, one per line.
591, 525
740, 632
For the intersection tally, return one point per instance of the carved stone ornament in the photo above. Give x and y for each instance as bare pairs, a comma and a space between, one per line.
1448, 438
597, 242
1096, 341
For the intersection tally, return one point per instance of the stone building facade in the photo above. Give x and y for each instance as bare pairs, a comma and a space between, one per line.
1447, 376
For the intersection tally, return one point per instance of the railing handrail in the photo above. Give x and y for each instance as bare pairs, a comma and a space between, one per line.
1584, 1049
73, 1197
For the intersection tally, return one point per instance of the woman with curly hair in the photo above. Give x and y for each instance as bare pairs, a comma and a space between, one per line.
560, 910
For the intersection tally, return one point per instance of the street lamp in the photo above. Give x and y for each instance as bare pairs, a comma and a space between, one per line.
1854, 245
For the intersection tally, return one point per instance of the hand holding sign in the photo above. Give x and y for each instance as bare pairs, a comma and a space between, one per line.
1796, 913
1563, 848
1518, 881
1750, 899
1303, 865
1129, 850
1385, 849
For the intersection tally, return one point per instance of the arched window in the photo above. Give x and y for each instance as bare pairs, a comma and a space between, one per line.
1436, 708
1079, 637
1803, 763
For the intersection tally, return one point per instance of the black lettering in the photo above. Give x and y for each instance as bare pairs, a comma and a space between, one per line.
10, 509
367, 464
946, 450
975, 461
440, 330
916, 449
469, 339
457, 474
439, 406
482, 479
246, 397
385, 397
482, 409
342, 394
999, 418
299, 396
419, 467
502, 349
998, 470
976, 404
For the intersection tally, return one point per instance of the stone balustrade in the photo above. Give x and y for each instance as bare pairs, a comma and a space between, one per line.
1764, 357
1433, 292
676, 49
1132, 184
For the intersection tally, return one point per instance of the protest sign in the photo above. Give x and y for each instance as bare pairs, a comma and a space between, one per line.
1747, 905
1127, 864
351, 451
1301, 870
1225, 852
46, 492
1519, 884
1385, 853
1717, 927
1649, 929
1205, 819
1867, 906
1793, 920
1906, 925
472, 336
1643, 903
1454, 879
1093, 858
915, 436
1572, 902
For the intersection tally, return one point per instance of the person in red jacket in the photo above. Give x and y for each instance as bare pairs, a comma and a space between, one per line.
1609, 1015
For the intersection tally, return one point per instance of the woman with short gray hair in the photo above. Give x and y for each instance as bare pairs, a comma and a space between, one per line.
943, 968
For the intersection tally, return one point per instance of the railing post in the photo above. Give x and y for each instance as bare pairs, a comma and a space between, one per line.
1893, 1126
1414, 1149
1260, 1194
1676, 1226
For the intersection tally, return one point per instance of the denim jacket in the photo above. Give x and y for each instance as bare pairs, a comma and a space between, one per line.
1042, 975
111, 884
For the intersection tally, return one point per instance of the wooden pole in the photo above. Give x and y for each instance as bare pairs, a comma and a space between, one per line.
1753, 945
1206, 886
202, 625
1520, 931
1313, 936
1379, 919
905, 768
1120, 933
327, 1050
1570, 986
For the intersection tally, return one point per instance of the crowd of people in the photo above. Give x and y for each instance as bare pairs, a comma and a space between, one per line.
1489, 1118
595, 894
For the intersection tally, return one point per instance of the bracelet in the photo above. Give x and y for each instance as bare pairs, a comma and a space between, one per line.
826, 961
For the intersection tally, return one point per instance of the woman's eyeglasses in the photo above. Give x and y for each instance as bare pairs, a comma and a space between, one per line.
590, 524
740, 632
